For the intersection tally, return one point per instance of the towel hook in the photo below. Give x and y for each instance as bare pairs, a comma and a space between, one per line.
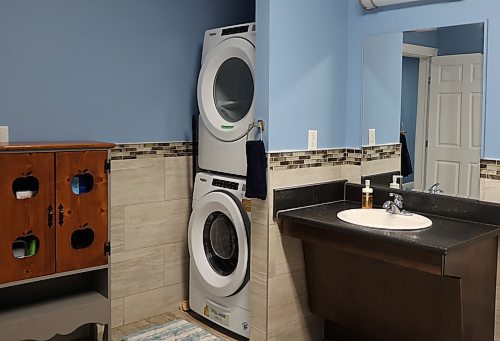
260, 125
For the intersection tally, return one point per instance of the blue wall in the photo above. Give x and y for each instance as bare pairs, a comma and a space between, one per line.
305, 71
429, 38
461, 39
116, 70
408, 18
409, 98
381, 80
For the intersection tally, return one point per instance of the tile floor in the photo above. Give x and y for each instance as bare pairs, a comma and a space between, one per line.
117, 334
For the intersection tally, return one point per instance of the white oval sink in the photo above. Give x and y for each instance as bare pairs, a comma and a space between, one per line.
380, 219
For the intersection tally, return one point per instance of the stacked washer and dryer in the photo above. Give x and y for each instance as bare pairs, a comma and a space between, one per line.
219, 227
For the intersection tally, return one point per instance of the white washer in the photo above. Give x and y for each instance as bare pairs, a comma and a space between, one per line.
219, 247
226, 98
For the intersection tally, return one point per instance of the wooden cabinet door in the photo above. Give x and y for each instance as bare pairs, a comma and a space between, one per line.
27, 219
82, 217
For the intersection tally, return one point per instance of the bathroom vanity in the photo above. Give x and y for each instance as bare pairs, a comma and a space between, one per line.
432, 284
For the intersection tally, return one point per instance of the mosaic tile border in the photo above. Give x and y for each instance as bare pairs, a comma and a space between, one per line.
314, 158
381, 152
332, 157
131, 151
490, 169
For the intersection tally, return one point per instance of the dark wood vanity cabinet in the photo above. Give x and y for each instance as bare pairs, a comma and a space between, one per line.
374, 289
53, 210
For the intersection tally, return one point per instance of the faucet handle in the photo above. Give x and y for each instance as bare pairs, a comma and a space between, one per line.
396, 196
435, 189
398, 199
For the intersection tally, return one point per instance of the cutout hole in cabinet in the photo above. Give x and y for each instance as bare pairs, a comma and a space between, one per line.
25, 187
24, 247
82, 183
82, 238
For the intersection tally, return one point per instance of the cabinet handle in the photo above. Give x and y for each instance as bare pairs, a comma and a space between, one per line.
61, 214
50, 212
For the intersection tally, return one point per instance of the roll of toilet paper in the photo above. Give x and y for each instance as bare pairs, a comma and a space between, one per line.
4, 134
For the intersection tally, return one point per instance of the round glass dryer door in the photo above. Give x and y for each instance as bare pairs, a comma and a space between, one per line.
226, 89
218, 239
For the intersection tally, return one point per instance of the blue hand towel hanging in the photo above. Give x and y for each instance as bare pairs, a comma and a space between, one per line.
256, 170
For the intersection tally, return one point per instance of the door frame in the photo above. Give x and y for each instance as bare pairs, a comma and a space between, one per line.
424, 54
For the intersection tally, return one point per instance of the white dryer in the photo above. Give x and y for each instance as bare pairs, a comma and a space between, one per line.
219, 247
226, 98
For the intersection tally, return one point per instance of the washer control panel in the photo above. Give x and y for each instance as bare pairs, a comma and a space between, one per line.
225, 184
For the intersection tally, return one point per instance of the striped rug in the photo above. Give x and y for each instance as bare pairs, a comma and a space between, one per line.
176, 330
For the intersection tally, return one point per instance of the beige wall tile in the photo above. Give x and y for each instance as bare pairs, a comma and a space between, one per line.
380, 166
154, 302
257, 334
156, 223
285, 253
481, 188
137, 181
176, 263
136, 271
178, 177
117, 312
259, 250
491, 190
258, 302
309, 328
287, 286
287, 311
117, 230
351, 173
302, 176
260, 211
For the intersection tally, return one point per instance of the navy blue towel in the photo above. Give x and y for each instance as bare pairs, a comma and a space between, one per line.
256, 170
406, 168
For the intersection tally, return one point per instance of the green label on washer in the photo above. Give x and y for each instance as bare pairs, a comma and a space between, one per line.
223, 126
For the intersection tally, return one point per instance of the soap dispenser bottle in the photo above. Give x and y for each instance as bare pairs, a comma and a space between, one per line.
367, 196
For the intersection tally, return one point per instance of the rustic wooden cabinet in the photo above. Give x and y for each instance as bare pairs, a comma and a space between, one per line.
82, 219
25, 217
54, 237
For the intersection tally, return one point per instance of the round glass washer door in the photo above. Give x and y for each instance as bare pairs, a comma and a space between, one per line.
226, 89
219, 244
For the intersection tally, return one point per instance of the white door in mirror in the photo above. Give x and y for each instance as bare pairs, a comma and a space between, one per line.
380, 219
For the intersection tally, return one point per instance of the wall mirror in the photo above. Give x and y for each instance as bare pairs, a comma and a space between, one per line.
424, 89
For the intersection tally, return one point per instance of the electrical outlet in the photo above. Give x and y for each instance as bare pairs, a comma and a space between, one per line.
371, 137
312, 140
4, 134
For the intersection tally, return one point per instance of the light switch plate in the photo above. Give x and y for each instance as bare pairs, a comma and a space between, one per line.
312, 140
371, 137
4, 134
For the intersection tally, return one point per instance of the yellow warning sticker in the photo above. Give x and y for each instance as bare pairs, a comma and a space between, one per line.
247, 204
216, 315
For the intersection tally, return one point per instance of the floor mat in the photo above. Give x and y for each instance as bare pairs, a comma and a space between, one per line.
177, 330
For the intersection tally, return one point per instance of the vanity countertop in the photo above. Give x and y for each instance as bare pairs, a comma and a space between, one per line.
444, 236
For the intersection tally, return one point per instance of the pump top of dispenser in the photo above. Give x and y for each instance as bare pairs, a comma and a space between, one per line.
396, 182
367, 188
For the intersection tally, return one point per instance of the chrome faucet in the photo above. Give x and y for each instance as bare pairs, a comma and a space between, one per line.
395, 206
435, 189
